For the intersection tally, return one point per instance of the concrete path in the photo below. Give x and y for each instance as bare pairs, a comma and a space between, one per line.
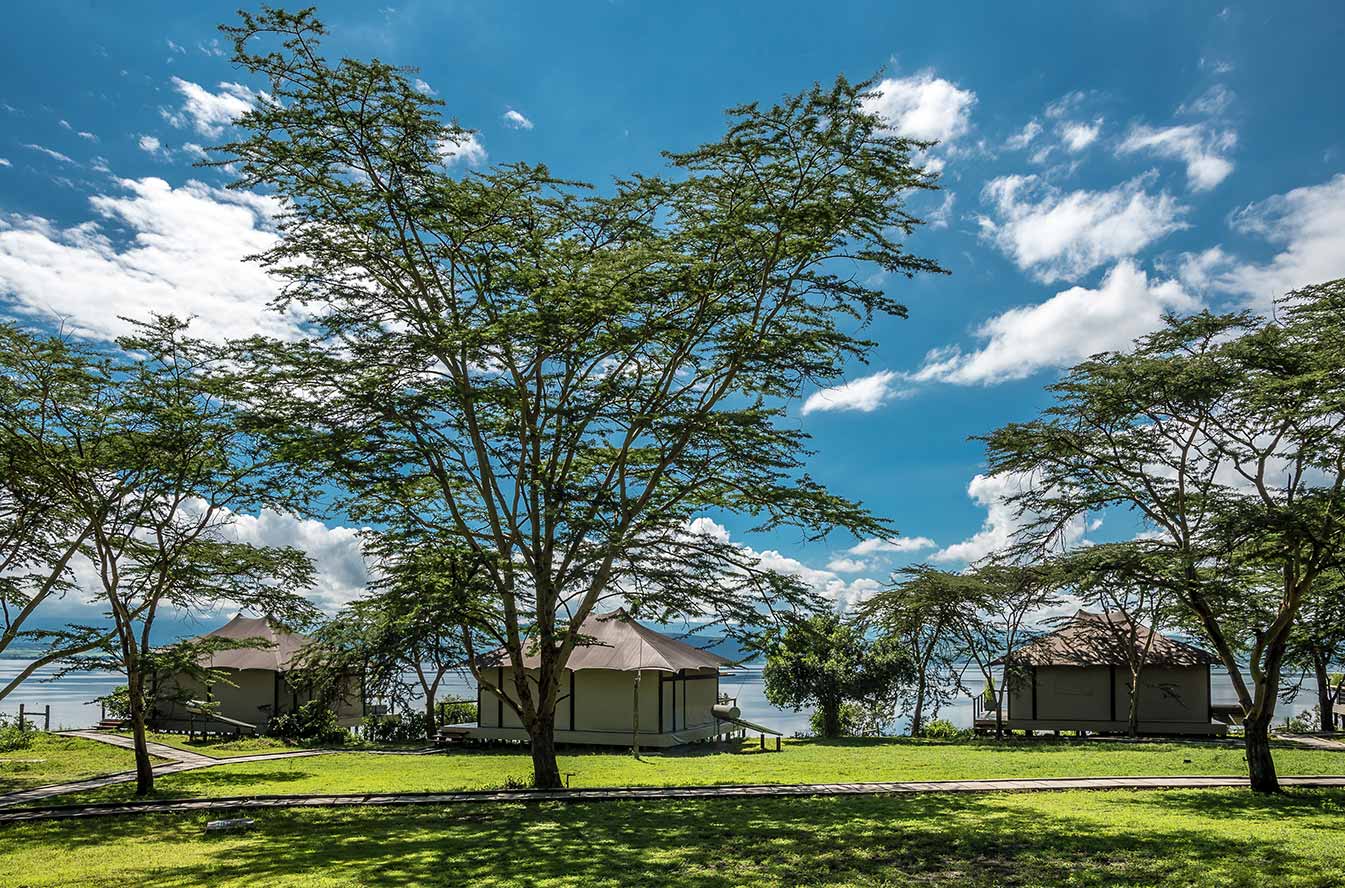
1314, 741
177, 760
644, 793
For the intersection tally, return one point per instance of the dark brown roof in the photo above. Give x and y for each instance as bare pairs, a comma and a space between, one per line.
1090, 639
279, 656
615, 641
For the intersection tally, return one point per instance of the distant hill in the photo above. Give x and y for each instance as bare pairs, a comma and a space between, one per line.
729, 648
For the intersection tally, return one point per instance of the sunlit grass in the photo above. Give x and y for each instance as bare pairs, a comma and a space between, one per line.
801, 761
1205, 837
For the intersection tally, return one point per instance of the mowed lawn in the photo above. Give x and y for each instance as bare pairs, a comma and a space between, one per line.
801, 761
55, 759
1205, 837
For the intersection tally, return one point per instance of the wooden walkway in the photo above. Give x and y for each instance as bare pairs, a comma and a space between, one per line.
643, 793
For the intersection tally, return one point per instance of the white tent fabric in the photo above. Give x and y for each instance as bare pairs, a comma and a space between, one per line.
279, 657
615, 641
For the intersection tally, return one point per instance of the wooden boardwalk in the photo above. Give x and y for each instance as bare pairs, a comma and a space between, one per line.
641, 793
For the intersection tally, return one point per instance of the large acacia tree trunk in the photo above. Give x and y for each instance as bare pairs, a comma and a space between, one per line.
144, 772
1260, 763
831, 717
1325, 695
545, 769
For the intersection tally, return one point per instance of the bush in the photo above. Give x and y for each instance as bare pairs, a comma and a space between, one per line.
454, 712
1304, 723
312, 723
943, 729
15, 735
407, 727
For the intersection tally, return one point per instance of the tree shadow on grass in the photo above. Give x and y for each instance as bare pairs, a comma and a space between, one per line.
1245, 805
962, 840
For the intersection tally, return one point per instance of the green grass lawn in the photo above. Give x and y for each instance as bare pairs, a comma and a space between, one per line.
224, 747
1205, 837
55, 759
219, 747
802, 761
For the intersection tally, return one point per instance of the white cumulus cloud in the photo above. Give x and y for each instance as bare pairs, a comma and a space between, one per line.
864, 394
1057, 235
149, 248
1078, 136
515, 120
1202, 148
1307, 224
875, 545
466, 149
923, 107
209, 113
1065, 329
1001, 523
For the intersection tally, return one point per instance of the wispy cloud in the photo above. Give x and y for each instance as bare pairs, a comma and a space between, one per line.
864, 394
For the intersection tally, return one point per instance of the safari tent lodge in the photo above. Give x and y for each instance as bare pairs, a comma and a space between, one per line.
257, 683
1077, 678
678, 691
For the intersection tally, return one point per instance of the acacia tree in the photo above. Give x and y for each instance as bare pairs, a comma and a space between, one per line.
985, 608
408, 624
925, 611
1127, 581
1225, 434
150, 456
41, 531
560, 380
827, 662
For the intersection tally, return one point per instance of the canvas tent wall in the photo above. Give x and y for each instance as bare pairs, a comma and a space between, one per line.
1077, 678
678, 688
257, 680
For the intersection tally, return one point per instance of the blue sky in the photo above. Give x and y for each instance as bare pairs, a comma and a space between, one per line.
1102, 163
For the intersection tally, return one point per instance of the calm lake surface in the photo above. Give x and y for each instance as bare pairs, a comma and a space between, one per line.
70, 696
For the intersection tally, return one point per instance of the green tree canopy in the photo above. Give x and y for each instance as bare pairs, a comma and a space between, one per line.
826, 662
1226, 434
561, 377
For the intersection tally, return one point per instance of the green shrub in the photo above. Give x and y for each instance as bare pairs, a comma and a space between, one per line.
455, 712
943, 729
1304, 722
15, 735
408, 727
312, 723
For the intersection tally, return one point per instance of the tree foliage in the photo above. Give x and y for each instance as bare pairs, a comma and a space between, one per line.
557, 379
143, 450
828, 663
1226, 434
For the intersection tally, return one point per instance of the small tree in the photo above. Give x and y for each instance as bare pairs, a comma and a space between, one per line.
1227, 435
42, 532
924, 612
408, 625
152, 458
826, 662
1129, 581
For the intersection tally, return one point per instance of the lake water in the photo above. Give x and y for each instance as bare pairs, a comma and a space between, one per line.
70, 697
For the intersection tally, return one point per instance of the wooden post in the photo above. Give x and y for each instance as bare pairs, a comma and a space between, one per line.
777, 742
46, 720
635, 736
763, 741
20, 716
